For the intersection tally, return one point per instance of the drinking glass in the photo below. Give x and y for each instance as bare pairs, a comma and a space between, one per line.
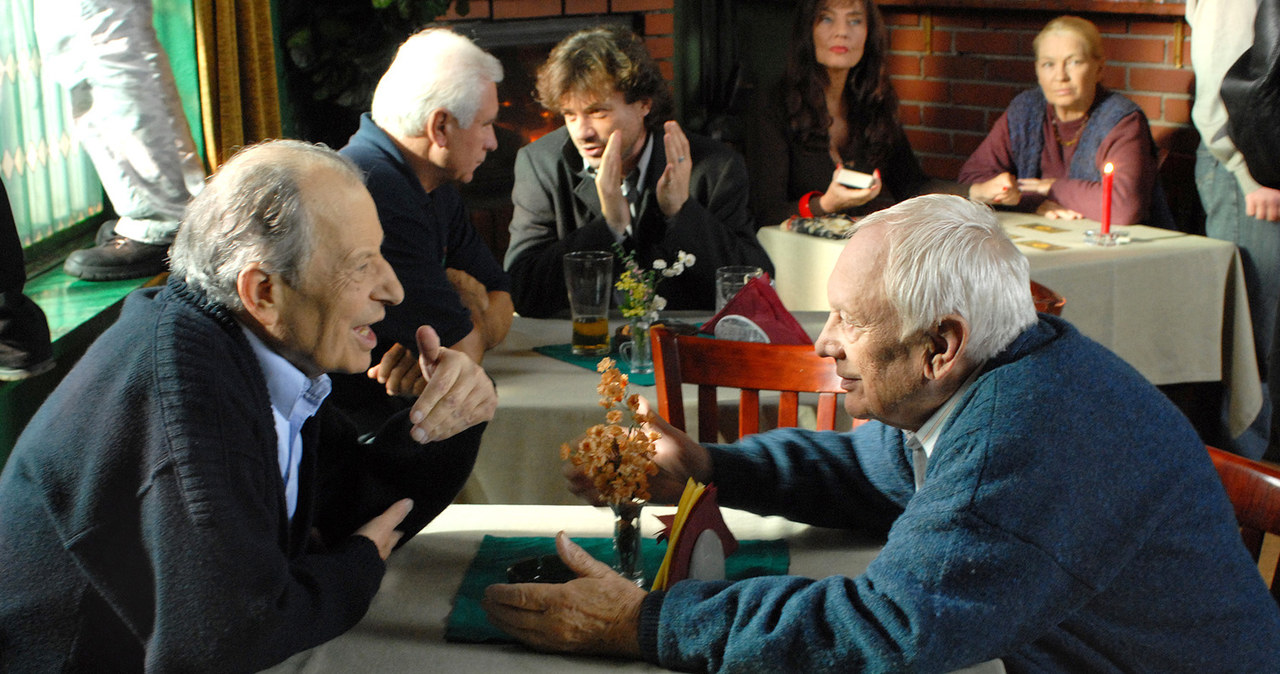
588, 277
731, 279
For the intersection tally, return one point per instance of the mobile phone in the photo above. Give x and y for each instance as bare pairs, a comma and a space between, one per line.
854, 179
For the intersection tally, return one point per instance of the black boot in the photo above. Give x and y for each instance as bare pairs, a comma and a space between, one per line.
25, 350
119, 258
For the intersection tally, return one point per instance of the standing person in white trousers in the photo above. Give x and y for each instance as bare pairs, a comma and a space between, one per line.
129, 119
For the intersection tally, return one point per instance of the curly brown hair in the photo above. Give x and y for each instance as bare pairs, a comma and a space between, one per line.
599, 61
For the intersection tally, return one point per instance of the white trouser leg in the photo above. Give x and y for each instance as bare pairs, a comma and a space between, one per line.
128, 115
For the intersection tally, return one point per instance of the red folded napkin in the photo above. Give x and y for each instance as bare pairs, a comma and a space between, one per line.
756, 314
690, 552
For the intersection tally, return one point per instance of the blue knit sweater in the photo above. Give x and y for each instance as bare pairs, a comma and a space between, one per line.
142, 519
1070, 521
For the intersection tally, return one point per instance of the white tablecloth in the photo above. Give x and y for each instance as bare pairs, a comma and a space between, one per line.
1172, 305
543, 402
404, 629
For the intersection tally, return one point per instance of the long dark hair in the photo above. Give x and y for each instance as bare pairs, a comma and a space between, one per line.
872, 103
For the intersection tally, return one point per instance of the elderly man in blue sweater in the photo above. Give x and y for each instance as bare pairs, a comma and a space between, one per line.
1043, 504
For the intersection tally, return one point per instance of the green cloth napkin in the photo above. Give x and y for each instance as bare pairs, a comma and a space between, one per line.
565, 353
467, 621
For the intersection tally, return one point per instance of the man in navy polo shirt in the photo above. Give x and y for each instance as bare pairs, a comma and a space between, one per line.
430, 127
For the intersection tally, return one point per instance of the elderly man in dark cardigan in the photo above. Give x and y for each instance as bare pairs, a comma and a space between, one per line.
185, 500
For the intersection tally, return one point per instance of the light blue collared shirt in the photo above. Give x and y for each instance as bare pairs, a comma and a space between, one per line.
295, 397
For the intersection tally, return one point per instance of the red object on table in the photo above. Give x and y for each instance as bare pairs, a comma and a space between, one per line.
1107, 175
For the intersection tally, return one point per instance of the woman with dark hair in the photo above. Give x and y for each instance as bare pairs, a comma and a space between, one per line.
834, 108
1046, 153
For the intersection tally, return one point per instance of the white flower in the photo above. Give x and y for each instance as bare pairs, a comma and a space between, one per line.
659, 303
686, 259
659, 264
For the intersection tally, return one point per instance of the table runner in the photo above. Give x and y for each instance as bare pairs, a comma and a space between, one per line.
564, 352
467, 621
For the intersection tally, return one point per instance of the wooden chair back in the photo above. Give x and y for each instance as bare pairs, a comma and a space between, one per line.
752, 368
1254, 490
1047, 301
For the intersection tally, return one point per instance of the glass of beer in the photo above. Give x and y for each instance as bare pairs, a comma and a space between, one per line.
588, 277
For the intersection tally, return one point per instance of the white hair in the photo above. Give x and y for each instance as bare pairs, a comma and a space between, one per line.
253, 209
948, 255
434, 69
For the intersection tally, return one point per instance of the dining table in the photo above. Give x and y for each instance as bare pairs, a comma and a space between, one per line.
1173, 305
544, 401
404, 629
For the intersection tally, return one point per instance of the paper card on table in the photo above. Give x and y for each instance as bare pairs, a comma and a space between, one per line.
1041, 245
1048, 229
698, 541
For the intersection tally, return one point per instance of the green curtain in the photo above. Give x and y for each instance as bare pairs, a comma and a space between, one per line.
50, 180
176, 30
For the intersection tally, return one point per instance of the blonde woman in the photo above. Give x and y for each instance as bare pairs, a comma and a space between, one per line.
1047, 151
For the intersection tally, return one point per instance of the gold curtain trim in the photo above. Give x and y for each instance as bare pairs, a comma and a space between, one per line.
235, 52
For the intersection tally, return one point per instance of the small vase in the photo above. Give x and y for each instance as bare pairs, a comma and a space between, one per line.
626, 541
638, 353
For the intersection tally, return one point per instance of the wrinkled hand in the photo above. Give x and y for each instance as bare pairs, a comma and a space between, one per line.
1056, 211
399, 372
382, 529
597, 613
1036, 185
458, 393
474, 295
840, 197
1002, 189
1263, 204
614, 205
673, 184
677, 456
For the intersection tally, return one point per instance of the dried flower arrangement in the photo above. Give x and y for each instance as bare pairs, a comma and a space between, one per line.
618, 459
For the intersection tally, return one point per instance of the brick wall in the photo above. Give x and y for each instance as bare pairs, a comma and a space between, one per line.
658, 18
956, 71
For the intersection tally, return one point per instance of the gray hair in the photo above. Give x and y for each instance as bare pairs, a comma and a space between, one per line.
434, 69
949, 255
253, 209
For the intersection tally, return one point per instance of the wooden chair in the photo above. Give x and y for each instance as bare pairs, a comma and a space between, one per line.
1047, 301
1254, 490
751, 367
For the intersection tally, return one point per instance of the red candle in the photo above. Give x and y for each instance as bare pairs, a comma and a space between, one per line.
1106, 197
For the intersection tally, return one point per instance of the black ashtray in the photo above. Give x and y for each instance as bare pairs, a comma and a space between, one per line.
542, 569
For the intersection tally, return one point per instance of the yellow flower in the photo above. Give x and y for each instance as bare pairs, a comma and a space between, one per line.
638, 287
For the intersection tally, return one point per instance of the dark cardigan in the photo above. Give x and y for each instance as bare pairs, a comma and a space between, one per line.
143, 521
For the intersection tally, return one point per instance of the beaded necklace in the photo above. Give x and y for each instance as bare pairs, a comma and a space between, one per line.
1075, 138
